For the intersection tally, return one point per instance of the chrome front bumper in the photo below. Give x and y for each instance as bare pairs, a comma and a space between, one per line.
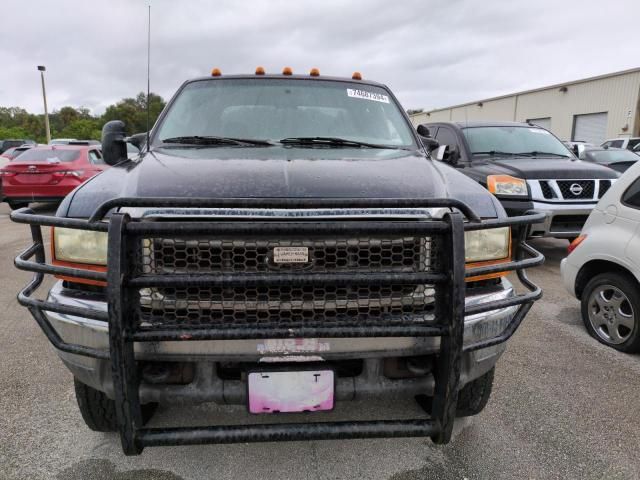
96, 372
555, 211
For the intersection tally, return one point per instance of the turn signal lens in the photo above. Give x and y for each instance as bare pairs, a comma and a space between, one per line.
506, 185
287, 71
216, 72
576, 242
259, 70
356, 76
314, 72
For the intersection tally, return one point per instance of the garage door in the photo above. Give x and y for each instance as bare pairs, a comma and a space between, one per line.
541, 122
591, 128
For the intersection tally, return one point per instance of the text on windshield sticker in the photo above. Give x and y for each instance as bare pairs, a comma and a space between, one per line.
376, 97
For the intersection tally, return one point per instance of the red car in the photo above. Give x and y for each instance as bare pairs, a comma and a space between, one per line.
48, 173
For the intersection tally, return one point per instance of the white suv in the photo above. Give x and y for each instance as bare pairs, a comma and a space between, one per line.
603, 266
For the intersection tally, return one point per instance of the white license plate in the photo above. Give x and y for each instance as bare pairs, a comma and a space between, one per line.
303, 391
290, 255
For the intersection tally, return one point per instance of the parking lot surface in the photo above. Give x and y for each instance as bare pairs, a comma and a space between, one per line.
563, 406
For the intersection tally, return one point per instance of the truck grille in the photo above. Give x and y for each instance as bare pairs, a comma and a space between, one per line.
291, 305
560, 190
584, 189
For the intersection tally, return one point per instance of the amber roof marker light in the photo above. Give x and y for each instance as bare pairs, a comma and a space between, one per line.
356, 76
287, 71
215, 72
259, 70
314, 72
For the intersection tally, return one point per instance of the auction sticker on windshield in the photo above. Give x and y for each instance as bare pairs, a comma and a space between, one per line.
376, 97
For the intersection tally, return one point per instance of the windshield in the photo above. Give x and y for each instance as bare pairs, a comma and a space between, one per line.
49, 155
276, 109
512, 140
611, 156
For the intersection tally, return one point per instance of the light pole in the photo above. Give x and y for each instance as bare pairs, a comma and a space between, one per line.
44, 97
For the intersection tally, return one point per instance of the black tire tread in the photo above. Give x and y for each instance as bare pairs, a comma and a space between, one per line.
98, 411
474, 396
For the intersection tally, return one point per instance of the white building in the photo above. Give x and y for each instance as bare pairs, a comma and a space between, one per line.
591, 110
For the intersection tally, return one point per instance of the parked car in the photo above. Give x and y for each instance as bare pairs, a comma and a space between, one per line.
527, 168
288, 245
48, 173
602, 269
618, 159
628, 143
10, 143
13, 152
73, 141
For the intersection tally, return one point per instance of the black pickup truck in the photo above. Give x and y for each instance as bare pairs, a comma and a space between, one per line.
527, 168
285, 243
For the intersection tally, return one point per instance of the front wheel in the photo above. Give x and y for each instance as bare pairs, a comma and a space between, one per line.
611, 311
99, 411
474, 396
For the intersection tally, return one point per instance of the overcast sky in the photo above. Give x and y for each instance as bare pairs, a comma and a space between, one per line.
431, 53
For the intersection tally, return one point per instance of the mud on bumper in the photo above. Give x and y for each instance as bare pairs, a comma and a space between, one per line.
126, 334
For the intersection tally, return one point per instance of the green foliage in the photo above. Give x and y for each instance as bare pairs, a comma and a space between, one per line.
71, 122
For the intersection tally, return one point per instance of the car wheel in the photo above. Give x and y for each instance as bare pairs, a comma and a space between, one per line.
611, 311
472, 399
474, 396
99, 411
17, 205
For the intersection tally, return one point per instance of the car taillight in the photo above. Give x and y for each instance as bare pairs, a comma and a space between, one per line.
577, 241
69, 173
6, 173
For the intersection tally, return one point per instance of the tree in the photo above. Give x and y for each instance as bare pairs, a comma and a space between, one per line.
78, 122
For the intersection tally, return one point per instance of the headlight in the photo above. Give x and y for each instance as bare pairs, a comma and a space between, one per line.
80, 246
488, 244
507, 185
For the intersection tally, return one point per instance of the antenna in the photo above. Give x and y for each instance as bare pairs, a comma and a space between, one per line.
148, 73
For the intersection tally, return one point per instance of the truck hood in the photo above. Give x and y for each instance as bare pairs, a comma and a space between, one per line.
267, 172
545, 168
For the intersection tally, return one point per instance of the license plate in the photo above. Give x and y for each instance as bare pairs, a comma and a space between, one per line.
290, 255
303, 391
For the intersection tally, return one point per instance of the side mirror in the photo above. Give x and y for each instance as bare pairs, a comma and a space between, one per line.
425, 136
448, 154
580, 150
441, 152
138, 140
114, 147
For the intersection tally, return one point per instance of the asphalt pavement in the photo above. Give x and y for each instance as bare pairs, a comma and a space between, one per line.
563, 406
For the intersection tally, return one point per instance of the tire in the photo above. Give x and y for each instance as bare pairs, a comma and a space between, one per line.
99, 411
474, 396
610, 307
472, 399
17, 205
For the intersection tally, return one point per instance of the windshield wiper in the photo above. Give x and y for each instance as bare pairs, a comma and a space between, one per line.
197, 140
542, 154
331, 142
496, 153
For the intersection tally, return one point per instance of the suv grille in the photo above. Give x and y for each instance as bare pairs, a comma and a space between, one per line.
286, 306
605, 185
585, 189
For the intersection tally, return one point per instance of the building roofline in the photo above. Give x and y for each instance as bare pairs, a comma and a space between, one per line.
533, 90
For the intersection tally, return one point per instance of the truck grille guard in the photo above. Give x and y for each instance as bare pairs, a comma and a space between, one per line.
124, 283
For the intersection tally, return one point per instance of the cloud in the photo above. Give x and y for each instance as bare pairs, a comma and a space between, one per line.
432, 54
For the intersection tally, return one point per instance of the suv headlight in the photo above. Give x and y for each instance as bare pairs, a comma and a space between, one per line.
507, 185
487, 245
80, 246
